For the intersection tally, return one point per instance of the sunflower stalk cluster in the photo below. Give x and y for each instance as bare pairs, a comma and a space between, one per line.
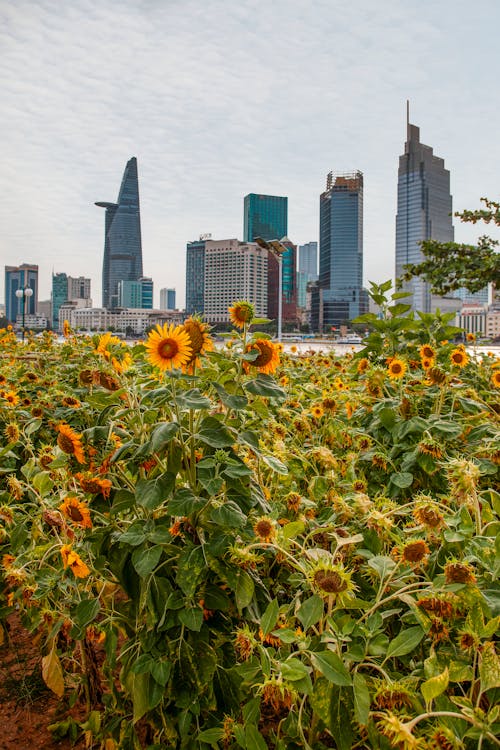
233, 546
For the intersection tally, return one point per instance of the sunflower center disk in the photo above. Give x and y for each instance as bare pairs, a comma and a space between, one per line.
168, 349
65, 444
264, 357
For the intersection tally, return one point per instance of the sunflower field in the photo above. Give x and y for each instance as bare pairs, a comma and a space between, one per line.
237, 547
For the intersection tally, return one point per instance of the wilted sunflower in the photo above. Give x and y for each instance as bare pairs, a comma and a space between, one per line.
71, 402
168, 346
428, 514
398, 732
72, 560
459, 572
396, 368
430, 447
265, 529
241, 313
330, 579
414, 553
12, 432
363, 365
70, 442
77, 512
94, 485
459, 357
268, 359
199, 338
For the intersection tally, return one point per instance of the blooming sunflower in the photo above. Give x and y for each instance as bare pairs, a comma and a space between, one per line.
77, 512
317, 411
267, 360
265, 529
427, 352
66, 329
169, 346
70, 442
72, 560
495, 379
363, 365
396, 368
459, 357
11, 397
199, 338
241, 313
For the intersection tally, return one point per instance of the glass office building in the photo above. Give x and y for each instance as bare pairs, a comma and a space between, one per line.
339, 297
20, 277
424, 211
195, 277
59, 296
122, 241
265, 216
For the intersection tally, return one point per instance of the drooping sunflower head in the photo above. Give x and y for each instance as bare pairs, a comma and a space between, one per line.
268, 358
70, 442
12, 432
241, 313
456, 571
396, 368
72, 560
169, 346
428, 514
414, 553
199, 338
363, 365
459, 357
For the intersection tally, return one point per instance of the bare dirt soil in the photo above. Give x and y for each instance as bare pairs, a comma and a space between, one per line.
27, 706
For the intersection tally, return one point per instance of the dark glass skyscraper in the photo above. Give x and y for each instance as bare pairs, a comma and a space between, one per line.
265, 216
338, 297
20, 277
122, 242
424, 210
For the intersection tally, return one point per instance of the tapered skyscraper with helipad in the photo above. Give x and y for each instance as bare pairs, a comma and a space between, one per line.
122, 237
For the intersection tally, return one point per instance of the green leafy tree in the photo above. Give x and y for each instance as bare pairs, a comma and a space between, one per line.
448, 266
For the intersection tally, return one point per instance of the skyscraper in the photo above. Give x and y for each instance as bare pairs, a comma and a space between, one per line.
289, 283
265, 216
20, 277
424, 211
122, 241
167, 299
59, 296
136, 294
195, 275
339, 296
308, 260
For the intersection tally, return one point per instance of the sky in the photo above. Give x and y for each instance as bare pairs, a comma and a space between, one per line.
220, 98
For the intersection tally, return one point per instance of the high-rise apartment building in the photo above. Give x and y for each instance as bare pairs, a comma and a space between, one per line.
234, 270
265, 216
20, 277
122, 241
167, 299
79, 288
195, 276
424, 211
339, 296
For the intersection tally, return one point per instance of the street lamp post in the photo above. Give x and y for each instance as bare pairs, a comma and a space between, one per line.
277, 249
24, 293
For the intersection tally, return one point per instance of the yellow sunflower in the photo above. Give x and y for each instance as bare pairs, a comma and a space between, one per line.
77, 512
11, 397
268, 358
199, 338
241, 313
70, 442
459, 357
169, 346
396, 368
495, 378
427, 352
74, 561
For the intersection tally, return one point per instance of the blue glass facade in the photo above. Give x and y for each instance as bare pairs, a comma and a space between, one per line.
59, 296
424, 211
136, 294
122, 242
20, 277
195, 277
265, 216
339, 297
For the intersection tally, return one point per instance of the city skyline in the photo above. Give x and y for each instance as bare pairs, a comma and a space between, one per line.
207, 133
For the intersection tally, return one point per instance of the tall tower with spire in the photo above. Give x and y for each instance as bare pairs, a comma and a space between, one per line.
424, 210
122, 237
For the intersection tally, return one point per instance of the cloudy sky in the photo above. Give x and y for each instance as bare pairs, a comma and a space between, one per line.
220, 98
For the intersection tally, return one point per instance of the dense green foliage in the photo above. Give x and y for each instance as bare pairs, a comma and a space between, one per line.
234, 559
